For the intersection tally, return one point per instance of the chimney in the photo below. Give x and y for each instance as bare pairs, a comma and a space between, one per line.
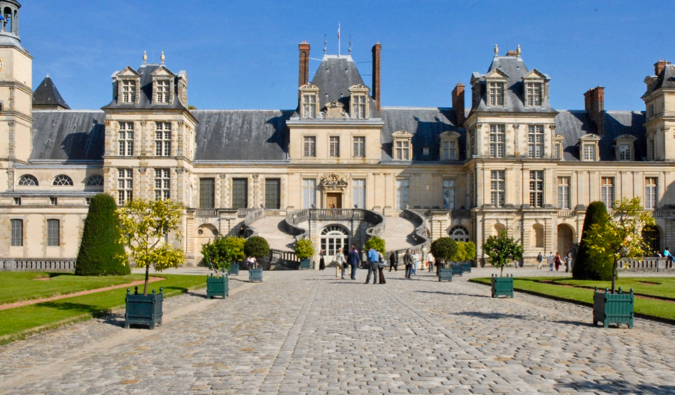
458, 103
595, 107
377, 49
659, 66
304, 63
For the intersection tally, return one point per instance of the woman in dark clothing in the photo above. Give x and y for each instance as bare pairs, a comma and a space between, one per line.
322, 262
393, 261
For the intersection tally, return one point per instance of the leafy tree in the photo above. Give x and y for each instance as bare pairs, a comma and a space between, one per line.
144, 225
622, 236
460, 254
470, 250
222, 251
304, 249
376, 243
256, 246
502, 250
101, 252
592, 265
444, 248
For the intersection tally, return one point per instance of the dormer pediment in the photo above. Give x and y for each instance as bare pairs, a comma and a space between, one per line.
496, 74
309, 88
626, 137
162, 72
402, 134
359, 88
590, 137
535, 74
128, 72
449, 135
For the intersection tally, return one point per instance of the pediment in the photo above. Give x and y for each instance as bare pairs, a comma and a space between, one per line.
359, 88
496, 74
402, 134
162, 72
626, 137
309, 87
128, 72
535, 74
558, 137
590, 137
449, 135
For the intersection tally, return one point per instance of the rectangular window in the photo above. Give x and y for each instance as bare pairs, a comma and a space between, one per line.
273, 193
163, 91
564, 193
334, 146
163, 138
129, 91
535, 137
474, 148
651, 189
403, 150
537, 188
53, 233
589, 152
624, 152
125, 183
534, 94
496, 94
126, 139
359, 193
402, 194
497, 141
309, 106
607, 197
449, 194
17, 233
497, 187
309, 146
556, 151
359, 106
162, 184
308, 193
207, 192
239, 193
652, 150
359, 147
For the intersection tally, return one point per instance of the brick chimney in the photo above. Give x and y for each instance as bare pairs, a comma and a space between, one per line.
595, 107
458, 103
659, 66
377, 49
304, 63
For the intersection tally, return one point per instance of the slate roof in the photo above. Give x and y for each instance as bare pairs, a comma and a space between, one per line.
664, 80
145, 101
46, 96
68, 135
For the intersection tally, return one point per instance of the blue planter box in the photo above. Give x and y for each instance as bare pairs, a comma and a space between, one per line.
457, 269
502, 286
466, 266
305, 264
217, 286
611, 308
234, 269
143, 309
444, 274
255, 275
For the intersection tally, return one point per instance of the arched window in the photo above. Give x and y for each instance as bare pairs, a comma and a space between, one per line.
95, 181
459, 233
63, 180
28, 180
334, 237
538, 235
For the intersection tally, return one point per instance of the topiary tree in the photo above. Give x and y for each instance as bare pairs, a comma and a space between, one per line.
470, 250
589, 264
376, 243
460, 254
101, 252
443, 249
304, 249
256, 246
502, 250
222, 251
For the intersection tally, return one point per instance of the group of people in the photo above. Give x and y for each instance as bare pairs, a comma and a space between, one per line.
555, 261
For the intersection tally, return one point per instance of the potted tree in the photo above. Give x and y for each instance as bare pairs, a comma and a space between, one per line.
502, 250
145, 226
221, 252
619, 238
443, 249
257, 247
304, 250
469, 255
234, 246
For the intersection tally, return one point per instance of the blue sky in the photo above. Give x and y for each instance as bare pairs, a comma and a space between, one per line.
244, 54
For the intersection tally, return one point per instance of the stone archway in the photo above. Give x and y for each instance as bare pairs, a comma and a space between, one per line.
565, 239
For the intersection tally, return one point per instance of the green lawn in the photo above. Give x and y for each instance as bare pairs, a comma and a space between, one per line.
20, 321
662, 310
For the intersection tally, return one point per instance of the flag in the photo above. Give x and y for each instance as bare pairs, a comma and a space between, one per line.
2, 19
338, 30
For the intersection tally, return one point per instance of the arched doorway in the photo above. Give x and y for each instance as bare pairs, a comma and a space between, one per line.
333, 238
205, 233
652, 237
565, 239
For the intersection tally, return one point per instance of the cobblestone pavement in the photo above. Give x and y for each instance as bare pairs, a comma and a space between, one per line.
305, 332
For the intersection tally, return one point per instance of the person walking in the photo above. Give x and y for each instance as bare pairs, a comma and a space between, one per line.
380, 268
353, 259
408, 262
557, 261
393, 261
416, 259
567, 263
551, 261
430, 259
540, 260
373, 264
322, 261
340, 264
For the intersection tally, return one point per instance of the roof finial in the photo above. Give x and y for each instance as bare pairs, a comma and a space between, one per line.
162, 57
324, 44
350, 44
496, 50
145, 56
518, 50
47, 75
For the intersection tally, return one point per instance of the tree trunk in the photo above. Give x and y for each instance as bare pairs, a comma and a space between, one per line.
614, 275
501, 271
147, 276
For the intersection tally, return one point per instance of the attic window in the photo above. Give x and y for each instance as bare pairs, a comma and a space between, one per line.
533, 94
402, 145
449, 145
309, 105
359, 101
162, 91
128, 91
496, 94
625, 147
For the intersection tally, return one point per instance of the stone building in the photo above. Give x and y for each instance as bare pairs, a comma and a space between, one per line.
337, 166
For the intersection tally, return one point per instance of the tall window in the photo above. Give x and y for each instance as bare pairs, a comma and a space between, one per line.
497, 187
449, 149
652, 149
126, 139
589, 152
534, 94
334, 146
359, 147
651, 189
309, 106
129, 91
537, 188
607, 184
239, 193
449, 194
162, 184
496, 90
359, 193
624, 152
402, 194
162, 91
17, 233
474, 147
53, 233
308, 193
564, 193
273, 193
497, 141
207, 192
125, 183
309, 146
163, 138
359, 106
535, 137
403, 150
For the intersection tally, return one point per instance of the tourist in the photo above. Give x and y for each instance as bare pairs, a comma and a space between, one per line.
551, 261
380, 268
322, 261
408, 262
566, 259
393, 261
415, 258
251, 262
540, 260
373, 264
556, 261
666, 254
430, 260
340, 264
353, 259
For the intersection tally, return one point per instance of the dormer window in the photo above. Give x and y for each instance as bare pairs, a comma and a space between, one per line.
162, 91
496, 93
589, 152
557, 146
309, 101
402, 145
625, 147
533, 94
449, 146
589, 147
128, 91
359, 101
128, 86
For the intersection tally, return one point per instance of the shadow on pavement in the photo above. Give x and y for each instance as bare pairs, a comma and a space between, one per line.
491, 316
617, 387
454, 294
575, 323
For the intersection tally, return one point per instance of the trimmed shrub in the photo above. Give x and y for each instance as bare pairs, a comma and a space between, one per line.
591, 265
376, 243
444, 248
256, 246
101, 250
304, 249
460, 254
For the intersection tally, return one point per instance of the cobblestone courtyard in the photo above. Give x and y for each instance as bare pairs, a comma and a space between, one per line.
305, 332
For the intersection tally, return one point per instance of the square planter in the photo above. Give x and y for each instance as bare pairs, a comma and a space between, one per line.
143, 309
444, 274
466, 266
255, 275
611, 308
502, 286
457, 269
217, 286
305, 264
234, 269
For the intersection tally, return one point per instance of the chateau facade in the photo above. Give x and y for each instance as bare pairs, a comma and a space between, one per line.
510, 162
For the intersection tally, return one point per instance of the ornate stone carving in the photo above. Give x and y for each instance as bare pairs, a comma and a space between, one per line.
335, 109
333, 182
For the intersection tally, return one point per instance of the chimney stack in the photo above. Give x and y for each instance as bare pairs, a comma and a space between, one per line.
659, 66
304, 63
377, 49
458, 103
595, 107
